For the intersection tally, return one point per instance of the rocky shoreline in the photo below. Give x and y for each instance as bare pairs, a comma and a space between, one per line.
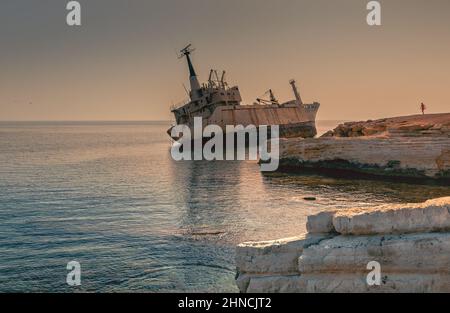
410, 242
414, 147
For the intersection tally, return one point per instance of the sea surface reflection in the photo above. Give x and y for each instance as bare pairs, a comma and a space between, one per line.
110, 196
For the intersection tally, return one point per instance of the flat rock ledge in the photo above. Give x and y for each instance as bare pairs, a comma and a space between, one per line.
411, 242
416, 147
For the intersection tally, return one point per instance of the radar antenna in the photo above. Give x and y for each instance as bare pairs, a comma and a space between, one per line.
186, 51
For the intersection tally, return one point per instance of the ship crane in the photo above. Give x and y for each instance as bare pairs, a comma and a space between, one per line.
215, 82
272, 100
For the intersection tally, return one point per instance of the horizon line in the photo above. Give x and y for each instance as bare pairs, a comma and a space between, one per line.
121, 121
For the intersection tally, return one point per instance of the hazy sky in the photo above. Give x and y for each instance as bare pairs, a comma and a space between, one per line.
121, 63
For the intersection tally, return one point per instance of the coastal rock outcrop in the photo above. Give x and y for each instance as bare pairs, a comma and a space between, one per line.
412, 147
410, 242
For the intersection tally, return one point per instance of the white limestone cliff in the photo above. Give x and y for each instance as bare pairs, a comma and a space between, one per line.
411, 242
412, 147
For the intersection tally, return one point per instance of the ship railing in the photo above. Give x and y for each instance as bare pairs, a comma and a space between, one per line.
179, 104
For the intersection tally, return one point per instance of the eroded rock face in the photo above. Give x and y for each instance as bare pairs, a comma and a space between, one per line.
430, 216
278, 256
391, 282
414, 125
396, 254
411, 242
412, 147
349, 283
321, 223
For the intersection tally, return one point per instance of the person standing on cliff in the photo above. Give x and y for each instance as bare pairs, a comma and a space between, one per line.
423, 107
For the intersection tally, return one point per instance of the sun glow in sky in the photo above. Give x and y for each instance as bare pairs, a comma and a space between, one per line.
121, 64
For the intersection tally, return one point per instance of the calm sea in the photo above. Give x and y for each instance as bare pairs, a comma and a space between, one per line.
109, 196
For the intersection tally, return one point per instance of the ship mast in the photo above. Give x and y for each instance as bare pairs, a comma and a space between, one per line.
193, 80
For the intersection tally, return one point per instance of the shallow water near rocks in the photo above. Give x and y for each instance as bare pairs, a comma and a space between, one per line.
110, 196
